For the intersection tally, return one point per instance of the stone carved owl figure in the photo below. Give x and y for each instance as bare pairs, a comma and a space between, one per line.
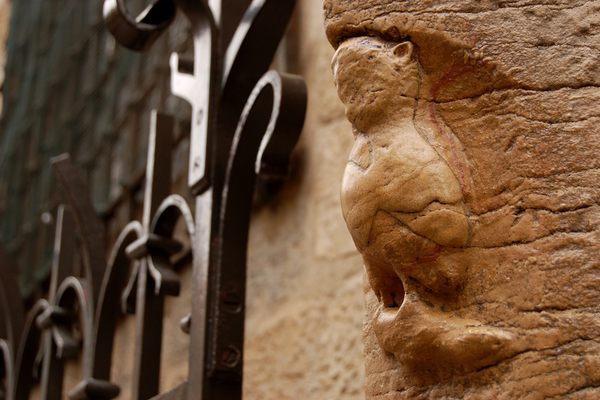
404, 206
490, 112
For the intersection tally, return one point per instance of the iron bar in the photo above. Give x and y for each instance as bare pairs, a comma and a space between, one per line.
245, 122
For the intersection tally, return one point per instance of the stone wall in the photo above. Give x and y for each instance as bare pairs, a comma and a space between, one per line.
305, 293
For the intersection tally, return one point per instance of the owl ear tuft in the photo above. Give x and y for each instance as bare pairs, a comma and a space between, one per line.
403, 51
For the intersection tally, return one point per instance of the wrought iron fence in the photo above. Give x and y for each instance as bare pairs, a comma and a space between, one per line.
245, 122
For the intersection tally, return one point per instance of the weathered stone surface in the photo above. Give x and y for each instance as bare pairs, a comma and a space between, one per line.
472, 193
305, 305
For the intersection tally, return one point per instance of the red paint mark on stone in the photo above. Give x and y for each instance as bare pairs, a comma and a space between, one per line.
431, 257
445, 134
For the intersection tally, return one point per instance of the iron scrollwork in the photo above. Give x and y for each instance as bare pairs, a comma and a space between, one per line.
245, 122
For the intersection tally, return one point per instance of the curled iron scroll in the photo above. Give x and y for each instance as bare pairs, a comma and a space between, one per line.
269, 128
28, 354
11, 324
255, 41
96, 384
285, 95
72, 302
85, 220
6, 367
218, 85
287, 118
139, 33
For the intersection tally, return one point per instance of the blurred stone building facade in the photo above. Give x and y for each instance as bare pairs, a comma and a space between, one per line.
70, 88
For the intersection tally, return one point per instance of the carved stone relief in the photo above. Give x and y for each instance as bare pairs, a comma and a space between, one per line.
472, 193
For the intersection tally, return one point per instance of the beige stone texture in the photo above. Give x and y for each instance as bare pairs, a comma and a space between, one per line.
305, 303
472, 193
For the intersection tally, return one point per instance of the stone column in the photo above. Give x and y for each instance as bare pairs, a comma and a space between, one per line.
472, 193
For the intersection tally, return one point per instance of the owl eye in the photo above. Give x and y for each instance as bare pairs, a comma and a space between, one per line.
403, 51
